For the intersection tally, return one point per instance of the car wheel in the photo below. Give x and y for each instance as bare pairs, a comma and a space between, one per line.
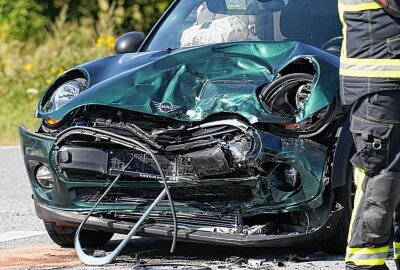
64, 236
344, 195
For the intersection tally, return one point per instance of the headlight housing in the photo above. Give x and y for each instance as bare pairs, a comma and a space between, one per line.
287, 96
64, 94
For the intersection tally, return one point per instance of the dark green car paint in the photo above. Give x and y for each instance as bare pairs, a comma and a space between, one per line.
201, 81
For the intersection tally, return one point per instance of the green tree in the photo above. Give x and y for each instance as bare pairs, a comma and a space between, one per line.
143, 14
21, 19
26, 19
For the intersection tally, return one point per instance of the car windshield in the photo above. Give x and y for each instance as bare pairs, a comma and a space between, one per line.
200, 22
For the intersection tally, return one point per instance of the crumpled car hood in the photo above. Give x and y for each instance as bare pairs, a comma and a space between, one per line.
191, 84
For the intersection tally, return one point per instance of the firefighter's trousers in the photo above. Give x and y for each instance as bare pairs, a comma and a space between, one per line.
375, 125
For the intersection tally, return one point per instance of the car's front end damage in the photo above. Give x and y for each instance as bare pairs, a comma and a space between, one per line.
247, 150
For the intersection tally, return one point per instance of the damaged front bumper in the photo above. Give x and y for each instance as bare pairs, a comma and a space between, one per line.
186, 234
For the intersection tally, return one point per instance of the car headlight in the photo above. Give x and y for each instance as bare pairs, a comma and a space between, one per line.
64, 94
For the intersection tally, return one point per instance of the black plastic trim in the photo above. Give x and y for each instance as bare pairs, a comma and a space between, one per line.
156, 26
82, 159
73, 219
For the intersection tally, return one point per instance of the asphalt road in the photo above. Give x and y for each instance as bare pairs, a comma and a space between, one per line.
24, 243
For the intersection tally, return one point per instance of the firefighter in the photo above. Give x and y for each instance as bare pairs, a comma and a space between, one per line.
370, 82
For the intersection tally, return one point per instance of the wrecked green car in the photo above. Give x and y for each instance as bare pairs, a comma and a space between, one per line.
237, 101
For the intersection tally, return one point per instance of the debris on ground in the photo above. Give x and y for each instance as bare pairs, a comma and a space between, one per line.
318, 256
279, 263
236, 263
99, 253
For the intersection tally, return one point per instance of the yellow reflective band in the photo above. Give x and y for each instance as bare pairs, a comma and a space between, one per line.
367, 251
396, 251
370, 73
370, 62
359, 7
359, 178
372, 262
355, 2
344, 31
367, 256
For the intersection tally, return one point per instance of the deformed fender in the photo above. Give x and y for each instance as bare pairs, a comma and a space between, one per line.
342, 153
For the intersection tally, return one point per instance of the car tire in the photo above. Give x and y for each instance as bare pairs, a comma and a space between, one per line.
343, 195
64, 236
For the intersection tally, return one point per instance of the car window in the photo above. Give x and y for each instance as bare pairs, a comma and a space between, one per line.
201, 22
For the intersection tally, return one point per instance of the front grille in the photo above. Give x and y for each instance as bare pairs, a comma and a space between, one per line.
172, 165
188, 221
212, 198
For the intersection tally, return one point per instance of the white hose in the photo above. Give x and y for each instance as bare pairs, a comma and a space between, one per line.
90, 260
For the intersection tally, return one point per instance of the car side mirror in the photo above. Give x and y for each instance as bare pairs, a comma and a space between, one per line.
129, 42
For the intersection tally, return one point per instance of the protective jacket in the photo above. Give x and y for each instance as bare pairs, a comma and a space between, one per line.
392, 7
370, 57
370, 78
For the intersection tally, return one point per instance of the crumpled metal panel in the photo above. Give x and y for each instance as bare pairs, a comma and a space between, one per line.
309, 159
323, 91
201, 81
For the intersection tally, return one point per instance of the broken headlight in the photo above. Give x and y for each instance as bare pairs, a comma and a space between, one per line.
64, 94
286, 97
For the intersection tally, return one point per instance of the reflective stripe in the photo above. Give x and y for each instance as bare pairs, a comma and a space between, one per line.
343, 52
359, 7
369, 74
367, 256
367, 251
370, 62
382, 255
355, 2
379, 68
371, 68
359, 178
372, 262
396, 250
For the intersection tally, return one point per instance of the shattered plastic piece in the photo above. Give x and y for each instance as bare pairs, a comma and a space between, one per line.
235, 260
279, 263
256, 262
318, 256
99, 253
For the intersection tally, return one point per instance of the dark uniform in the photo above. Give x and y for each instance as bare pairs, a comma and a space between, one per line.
370, 80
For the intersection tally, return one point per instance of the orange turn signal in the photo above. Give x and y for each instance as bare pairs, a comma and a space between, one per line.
52, 122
